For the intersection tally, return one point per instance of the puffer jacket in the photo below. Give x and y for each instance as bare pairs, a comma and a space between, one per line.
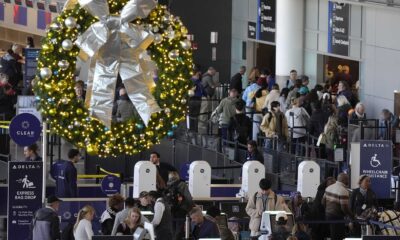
255, 210
46, 225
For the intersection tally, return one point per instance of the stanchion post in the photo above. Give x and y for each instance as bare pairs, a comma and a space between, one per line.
187, 227
44, 157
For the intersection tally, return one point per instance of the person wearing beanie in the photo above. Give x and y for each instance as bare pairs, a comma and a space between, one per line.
263, 200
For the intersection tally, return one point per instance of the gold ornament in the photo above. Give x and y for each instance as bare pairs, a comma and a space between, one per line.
48, 47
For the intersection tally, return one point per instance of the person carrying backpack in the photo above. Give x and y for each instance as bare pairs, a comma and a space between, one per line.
263, 200
240, 124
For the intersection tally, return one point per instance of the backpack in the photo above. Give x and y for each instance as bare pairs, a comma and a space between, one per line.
241, 130
275, 198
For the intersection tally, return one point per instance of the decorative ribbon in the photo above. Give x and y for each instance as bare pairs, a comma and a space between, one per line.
117, 46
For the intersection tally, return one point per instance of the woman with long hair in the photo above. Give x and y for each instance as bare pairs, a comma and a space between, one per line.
131, 223
331, 136
83, 226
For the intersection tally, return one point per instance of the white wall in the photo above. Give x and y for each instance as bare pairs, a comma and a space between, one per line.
381, 56
239, 33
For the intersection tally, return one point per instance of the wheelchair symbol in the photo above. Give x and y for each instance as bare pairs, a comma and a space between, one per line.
375, 162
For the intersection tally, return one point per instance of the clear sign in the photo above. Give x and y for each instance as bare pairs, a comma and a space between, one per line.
25, 129
111, 185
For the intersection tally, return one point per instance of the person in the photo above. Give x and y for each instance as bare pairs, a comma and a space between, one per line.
239, 125
225, 110
131, 223
274, 125
45, 223
344, 90
29, 42
343, 108
271, 81
294, 93
180, 199
319, 231
263, 200
31, 153
208, 84
250, 92
305, 80
281, 232
144, 203
272, 96
213, 214
125, 108
358, 114
254, 74
297, 119
67, 176
195, 100
236, 80
387, 120
361, 199
330, 136
163, 168
317, 121
201, 226
292, 79
337, 207
298, 206
83, 227
162, 220
79, 91
107, 219
9, 67
123, 215
300, 231
7, 97
259, 100
252, 153
282, 99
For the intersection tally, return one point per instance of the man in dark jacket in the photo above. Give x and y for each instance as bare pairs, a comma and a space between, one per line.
66, 175
236, 80
46, 224
240, 125
201, 226
162, 168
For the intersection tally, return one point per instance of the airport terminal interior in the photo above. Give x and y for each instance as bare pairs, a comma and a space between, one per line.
199, 119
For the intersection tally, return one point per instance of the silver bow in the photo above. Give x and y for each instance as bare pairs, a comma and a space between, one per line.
117, 46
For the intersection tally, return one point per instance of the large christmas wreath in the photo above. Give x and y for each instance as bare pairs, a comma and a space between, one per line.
148, 32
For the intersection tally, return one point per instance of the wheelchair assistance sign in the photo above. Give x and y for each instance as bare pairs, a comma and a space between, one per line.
376, 162
24, 197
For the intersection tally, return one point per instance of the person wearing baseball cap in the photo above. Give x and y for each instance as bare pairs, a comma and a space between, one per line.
45, 223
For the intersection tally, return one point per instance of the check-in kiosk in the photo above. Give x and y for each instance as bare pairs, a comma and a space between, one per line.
308, 178
200, 179
252, 173
144, 177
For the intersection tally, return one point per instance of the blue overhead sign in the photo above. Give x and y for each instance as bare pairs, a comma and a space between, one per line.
25, 129
376, 162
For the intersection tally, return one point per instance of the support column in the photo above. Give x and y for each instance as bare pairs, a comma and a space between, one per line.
289, 38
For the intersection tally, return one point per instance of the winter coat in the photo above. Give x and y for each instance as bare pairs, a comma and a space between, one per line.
268, 125
359, 203
236, 82
46, 225
240, 128
226, 109
180, 189
272, 96
255, 210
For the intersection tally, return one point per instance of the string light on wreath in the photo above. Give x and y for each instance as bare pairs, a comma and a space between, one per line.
70, 118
